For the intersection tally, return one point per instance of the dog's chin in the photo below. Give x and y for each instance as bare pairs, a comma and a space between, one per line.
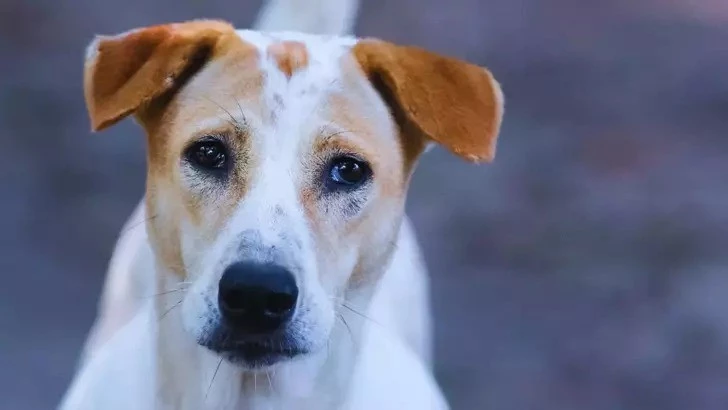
253, 353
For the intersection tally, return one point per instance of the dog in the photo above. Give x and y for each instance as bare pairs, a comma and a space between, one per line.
276, 268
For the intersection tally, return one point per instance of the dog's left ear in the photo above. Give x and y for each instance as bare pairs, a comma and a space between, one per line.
440, 99
123, 73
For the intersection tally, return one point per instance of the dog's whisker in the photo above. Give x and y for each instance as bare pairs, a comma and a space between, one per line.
242, 113
339, 131
343, 302
167, 292
233, 121
213, 379
136, 225
359, 313
176, 268
351, 334
270, 383
166, 312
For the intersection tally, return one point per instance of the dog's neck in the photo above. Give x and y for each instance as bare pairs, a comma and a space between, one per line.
189, 377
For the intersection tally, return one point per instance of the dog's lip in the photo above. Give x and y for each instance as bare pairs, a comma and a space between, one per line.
258, 350
258, 355
261, 351
262, 347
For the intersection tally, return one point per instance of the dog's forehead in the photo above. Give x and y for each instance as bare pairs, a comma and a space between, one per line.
289, 53
284, 85
291, 91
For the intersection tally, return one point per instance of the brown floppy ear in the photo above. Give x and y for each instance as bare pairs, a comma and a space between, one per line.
451, 102
124, 72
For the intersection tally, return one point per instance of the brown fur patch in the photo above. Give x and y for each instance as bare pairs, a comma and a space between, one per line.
127, 71
168, 120
290, 56
230, 79
357, 124
436, 98
174, 78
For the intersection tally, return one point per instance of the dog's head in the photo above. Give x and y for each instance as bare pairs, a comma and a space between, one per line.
278, 165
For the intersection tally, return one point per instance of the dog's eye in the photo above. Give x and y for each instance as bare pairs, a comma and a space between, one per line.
208, 154
348, 173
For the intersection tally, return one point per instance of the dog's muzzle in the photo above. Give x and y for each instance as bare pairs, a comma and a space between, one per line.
256, 302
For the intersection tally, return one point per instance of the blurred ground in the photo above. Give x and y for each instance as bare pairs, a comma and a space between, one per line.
584, 269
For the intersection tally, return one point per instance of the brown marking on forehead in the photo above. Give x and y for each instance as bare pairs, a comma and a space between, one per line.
290, 56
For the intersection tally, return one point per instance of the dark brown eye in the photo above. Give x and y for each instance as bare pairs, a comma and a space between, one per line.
208, 154
347, 173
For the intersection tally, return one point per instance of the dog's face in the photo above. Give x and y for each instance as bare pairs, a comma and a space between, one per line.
279, 164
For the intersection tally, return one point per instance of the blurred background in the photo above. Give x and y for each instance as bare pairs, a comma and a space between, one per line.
586, 268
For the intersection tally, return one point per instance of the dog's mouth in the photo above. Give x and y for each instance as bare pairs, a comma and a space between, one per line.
253, 352
257, 354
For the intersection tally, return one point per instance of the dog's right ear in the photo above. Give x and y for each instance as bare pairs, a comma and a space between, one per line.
123, 73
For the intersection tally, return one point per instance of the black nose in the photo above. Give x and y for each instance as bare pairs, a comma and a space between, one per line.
257, 298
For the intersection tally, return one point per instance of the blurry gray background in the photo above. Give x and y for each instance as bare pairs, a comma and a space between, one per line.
584, 269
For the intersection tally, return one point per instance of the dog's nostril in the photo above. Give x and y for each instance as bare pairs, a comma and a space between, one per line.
280, 303
234, 300
257, 298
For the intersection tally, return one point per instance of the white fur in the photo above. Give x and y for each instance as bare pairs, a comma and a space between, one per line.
126, 282
272, 208
381, 358
388, 374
